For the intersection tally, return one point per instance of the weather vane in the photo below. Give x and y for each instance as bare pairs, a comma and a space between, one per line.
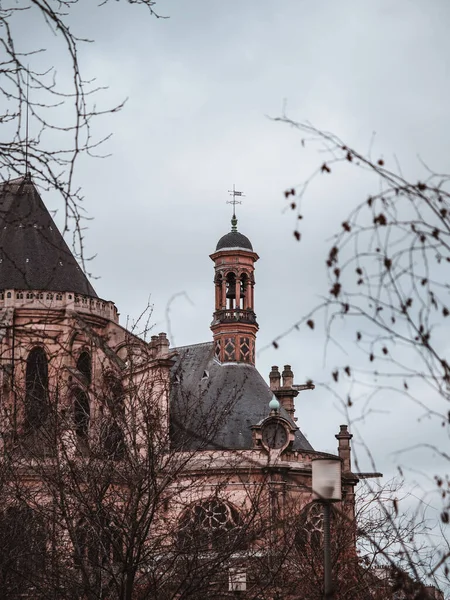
235, 194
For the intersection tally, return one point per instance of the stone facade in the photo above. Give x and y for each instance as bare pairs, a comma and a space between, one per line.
100, 429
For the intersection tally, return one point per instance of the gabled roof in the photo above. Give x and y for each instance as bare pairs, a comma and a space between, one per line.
213, 405
33, 253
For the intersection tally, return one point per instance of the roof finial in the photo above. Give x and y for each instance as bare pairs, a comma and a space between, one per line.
235, 194
27, 174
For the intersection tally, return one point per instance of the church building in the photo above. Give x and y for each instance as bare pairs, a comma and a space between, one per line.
131, 469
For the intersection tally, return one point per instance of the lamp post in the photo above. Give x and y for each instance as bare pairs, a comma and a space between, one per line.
326, 485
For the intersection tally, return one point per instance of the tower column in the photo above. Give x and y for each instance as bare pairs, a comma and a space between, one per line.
218, 294
223, 303
246, 295
238, 292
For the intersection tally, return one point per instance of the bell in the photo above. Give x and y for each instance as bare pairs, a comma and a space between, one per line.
231, 291
231, 286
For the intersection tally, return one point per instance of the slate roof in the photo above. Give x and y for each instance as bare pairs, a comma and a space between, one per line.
33, 253
234, 239
213, 405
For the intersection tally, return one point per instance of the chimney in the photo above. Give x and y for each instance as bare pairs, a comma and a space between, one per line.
288, 377
344, 449
163, 345
286, 393
274, 378
154, 344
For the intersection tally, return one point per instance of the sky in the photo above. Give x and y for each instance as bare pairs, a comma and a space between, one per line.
203, 87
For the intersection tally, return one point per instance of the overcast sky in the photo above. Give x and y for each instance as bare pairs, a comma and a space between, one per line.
202, 87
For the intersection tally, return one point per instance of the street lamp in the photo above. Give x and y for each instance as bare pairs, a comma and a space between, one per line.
326, 485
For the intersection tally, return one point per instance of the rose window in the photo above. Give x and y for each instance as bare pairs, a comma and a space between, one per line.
209, 525
214, 515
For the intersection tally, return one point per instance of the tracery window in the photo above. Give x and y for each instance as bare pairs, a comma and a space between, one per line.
36, 392
309, 532
210, 525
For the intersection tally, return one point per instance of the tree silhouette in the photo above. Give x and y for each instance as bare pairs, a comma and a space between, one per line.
387, 268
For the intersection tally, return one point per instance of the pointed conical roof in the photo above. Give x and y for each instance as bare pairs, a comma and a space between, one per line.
33, 253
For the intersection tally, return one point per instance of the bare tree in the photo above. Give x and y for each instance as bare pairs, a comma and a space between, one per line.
48, 116
387, 269
99, 501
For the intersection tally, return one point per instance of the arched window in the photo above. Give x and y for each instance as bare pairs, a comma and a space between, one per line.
36, 392
84, 366
111, 433
114, 394
211, 525
309, 528
81, 413
112, 440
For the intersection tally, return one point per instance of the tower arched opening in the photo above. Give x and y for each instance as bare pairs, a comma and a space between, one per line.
243, 304
231, 290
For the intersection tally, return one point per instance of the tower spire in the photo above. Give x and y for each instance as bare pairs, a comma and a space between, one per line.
235, 194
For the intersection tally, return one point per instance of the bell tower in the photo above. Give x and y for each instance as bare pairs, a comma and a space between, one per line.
234, 323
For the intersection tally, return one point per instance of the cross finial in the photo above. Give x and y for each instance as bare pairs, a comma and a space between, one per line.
235, 194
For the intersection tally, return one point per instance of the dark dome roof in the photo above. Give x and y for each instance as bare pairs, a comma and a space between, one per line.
234, 239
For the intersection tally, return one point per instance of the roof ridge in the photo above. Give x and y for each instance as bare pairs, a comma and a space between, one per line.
16, 180
192, 345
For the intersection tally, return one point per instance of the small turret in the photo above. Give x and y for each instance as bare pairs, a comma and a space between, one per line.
234, 323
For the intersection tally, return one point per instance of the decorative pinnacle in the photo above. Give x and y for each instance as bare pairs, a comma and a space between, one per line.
234, 194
